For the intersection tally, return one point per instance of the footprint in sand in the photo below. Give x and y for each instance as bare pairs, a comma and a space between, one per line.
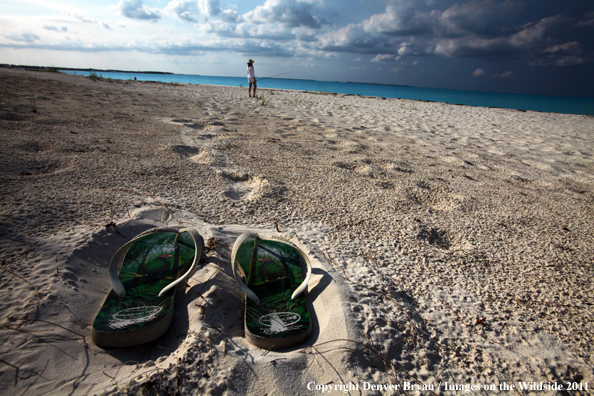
244, 187
392, 166
345, 145
344, 165
537, 165
363, 167
240, 187
199, 155
453, 160
186, 151
210, 157
433, 195
443, 239
186, 122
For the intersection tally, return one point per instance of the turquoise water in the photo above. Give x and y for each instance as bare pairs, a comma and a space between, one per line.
554, 104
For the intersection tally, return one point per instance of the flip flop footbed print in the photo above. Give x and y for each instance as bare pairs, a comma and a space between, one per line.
272, 270
150, 265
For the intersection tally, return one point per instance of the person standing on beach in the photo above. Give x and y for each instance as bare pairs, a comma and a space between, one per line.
251, 75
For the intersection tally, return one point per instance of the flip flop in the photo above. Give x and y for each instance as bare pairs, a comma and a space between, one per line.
139, 308
269, 270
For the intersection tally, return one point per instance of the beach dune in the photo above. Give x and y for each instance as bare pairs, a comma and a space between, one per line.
452, 246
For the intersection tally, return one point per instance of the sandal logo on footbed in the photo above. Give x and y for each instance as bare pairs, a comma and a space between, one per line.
280, 321
134, 315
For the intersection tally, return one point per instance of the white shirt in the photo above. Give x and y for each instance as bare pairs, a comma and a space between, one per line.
250, 73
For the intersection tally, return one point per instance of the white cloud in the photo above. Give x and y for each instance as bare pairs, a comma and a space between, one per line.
82, 18
25, 37
383, 57
230, 16
478, 72
135, 9
405, 49
264, 31
292, 13
572, 46
569, 60
182, 9
509, 74
209, 7
534, 32
55, 29
401, 20
588, 21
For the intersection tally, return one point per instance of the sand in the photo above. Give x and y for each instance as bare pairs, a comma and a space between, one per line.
452, 246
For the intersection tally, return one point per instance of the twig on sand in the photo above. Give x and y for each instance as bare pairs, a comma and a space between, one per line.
115, 381
33, 383
211, 244
383, 357
202, 297
8, 364
151, 195
27, 318
114, 226
17, 368
441, 279
60, 326
330, 364
388, 364
167, 209
413, 328
474, 331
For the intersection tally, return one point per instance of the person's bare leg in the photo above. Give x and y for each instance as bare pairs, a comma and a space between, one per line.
250, 91
255, 86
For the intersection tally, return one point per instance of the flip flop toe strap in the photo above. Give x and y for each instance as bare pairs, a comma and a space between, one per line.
270, 237
117, 258
197, 256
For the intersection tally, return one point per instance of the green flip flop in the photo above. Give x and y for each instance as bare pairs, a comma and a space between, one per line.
269, 270
139, 308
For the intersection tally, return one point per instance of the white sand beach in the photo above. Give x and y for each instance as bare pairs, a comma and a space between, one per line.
452, 246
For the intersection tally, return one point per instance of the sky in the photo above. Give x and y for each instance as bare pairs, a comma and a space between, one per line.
541, 47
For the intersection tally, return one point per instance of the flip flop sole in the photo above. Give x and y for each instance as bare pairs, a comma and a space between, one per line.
150, 264
266, 326
273, 270
146, 333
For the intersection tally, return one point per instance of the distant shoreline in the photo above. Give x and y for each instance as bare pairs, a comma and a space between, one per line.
57, 69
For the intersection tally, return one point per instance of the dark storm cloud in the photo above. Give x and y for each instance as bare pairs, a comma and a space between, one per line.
488, 30
487, 19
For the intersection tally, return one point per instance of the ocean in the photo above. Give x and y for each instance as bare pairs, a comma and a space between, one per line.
553, 104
